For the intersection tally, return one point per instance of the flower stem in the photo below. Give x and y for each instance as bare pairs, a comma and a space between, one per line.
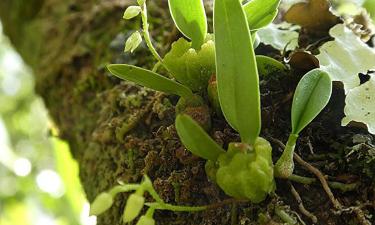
176, 208
123, 188
146, 34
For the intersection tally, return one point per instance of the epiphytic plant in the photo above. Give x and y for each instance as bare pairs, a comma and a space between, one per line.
224, 64
246, 169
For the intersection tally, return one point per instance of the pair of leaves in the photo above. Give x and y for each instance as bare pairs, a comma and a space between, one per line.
149, 79
190, 18
236, 69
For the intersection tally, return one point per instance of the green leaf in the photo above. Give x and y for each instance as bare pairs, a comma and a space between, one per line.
268, 66
360, 105
260, 13
280, 36
190, 18
131, 12
133, 42
312, 95
196, 140
346, 56
149, 79
236, 70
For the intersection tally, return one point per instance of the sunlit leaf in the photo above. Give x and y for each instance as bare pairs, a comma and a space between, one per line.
190, 18
345, 57
260, 13
360, 105
196, 140
236, 69
149, 79
313, 15
311, 96
280, 36
370, 6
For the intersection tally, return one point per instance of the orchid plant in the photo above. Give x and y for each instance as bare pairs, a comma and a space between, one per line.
245, 169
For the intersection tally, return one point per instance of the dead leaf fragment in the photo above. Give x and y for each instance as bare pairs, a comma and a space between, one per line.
313, 15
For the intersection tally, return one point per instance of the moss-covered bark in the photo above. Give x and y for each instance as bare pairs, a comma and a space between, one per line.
118, 131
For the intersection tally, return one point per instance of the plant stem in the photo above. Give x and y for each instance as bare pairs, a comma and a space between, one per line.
285, 165
176, 208
123, 188
146, 34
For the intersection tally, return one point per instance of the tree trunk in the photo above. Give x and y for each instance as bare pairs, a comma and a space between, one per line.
118, 131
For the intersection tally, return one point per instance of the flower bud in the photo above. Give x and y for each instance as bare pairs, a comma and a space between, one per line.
101, 203
133, 42
133, 207
131, 12
144, 220
141, 2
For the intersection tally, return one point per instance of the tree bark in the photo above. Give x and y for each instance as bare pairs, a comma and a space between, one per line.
119, 131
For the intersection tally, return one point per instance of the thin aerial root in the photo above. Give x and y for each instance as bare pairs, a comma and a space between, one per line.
301, 207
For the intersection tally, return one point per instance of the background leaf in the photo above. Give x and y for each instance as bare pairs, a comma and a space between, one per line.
345, 57
196, 140
260, 13
236, 69
311, 96
280, 36
149, 79
360, 105
190, 18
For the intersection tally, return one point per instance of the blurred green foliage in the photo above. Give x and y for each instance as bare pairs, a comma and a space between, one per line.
39, 181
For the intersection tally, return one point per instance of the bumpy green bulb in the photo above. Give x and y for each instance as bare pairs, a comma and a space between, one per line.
245, 172
191, 67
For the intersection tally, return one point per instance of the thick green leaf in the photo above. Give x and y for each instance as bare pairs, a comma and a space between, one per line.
268, 66
190, 18
196, 140
236, 69
312, 95
149, 79
260, 13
